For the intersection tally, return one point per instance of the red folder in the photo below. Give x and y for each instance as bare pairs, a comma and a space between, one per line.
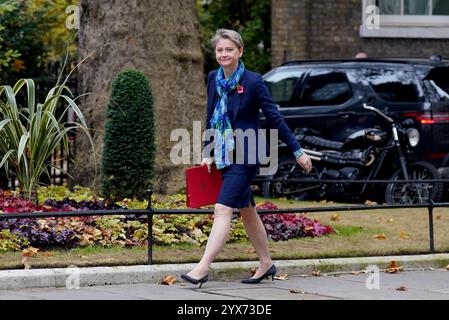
202, 187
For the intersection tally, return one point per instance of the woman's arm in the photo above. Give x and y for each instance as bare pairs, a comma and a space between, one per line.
276, 121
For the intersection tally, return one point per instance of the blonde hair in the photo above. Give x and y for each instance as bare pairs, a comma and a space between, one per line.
232, 35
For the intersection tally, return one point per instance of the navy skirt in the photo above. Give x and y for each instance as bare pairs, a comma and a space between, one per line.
236, 188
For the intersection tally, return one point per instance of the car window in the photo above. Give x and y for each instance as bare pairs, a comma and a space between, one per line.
439, 79
393, 85
324, 88
282, 84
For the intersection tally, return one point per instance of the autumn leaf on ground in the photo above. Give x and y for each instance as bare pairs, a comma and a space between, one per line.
379, 236
296, 291
30, 252
253, 271
356, 272
370, 203
402, 288
281, 276
404, 235
335, 217
26, 264
169, 280
390, 220
438, 217
48, 254
251, 250
316, 273
393, 267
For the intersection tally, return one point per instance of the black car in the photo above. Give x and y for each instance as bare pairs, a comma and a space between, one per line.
324, 100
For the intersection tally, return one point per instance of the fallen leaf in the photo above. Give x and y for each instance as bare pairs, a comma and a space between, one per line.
48, 254
379, 236
25, 262
370, 203
402, 288
393, 267
281, 276
390, 220
169, 280
357, 272
404, 235
84, 257
296, 291
316, 273
335, 217
30, 252
253, 271
447, 267
251, 250
392, 264
438, 217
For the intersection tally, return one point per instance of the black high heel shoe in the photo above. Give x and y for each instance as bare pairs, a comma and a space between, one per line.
270, 272
195, 281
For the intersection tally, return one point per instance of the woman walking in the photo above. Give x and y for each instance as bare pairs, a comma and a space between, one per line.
235, 96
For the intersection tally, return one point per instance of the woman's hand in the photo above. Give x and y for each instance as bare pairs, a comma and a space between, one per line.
305, 162
208, 162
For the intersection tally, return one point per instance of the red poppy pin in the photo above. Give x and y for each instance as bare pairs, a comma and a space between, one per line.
240, 89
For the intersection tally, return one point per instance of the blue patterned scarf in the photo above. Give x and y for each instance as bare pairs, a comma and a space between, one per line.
223, 135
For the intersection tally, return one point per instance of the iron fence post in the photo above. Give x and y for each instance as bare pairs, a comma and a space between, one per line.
431, 236
150, 212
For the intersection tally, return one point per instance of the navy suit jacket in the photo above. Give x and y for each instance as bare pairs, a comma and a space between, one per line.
245, 111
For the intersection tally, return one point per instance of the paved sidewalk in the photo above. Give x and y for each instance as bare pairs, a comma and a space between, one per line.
418, 284
153, 274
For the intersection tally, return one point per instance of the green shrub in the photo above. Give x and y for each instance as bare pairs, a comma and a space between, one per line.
31, 132
128, 151
11, 241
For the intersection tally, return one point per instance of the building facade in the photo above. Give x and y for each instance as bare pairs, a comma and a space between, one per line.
323, 29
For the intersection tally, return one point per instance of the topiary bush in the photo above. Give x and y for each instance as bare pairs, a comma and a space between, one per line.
129, 147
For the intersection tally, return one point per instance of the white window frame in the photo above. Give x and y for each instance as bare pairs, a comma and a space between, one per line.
405, 26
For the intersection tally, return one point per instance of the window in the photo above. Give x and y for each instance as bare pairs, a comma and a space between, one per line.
325, 88
439, 79
406, 18
282, 84
413, 7
393, 85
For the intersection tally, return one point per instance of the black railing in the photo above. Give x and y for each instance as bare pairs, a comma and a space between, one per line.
150, 212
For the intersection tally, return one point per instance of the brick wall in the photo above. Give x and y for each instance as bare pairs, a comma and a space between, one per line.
307, 29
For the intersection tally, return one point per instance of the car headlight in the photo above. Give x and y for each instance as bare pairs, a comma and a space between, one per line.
413, 136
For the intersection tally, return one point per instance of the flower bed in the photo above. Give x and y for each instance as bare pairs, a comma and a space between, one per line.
128, 230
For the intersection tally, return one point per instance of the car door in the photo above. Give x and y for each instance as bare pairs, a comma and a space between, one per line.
322, 100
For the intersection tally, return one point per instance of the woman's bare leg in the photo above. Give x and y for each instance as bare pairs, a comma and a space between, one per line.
216, 241
258, 237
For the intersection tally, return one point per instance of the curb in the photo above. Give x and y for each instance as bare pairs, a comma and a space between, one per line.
100, 276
